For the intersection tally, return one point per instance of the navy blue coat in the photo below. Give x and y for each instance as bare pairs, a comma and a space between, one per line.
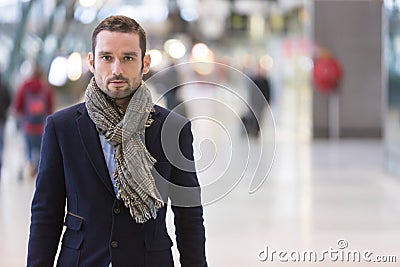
74, 189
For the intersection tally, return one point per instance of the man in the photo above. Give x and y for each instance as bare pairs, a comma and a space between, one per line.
258, 102
97, 158
34, 101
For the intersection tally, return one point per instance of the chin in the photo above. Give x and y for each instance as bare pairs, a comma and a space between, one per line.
117, 88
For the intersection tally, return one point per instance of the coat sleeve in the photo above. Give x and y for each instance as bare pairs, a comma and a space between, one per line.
48, 205
190, 232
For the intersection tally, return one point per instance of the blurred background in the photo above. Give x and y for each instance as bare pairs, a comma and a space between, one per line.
325, 154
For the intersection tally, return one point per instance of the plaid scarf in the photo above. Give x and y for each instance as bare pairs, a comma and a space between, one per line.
133, 162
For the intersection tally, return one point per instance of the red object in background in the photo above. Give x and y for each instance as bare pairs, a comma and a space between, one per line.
327, 73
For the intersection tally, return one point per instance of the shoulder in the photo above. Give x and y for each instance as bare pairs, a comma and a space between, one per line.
166, 115
69, 112
172, 124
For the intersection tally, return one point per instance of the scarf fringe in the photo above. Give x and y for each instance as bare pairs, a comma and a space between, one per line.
143, 215
147, 215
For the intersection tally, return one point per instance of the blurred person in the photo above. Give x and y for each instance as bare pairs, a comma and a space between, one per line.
34, 101
105, 173
257, 104
5, 100
169, 86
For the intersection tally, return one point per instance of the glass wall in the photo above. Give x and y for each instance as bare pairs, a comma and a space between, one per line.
392, 81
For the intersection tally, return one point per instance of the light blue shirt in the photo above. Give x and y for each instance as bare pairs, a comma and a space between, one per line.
108, 152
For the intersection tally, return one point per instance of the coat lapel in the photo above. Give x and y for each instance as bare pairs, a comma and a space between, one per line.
152, 131
92, 146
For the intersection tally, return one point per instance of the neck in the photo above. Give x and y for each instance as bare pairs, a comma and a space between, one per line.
122, 103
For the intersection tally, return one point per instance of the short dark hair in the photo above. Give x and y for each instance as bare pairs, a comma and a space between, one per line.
120, 24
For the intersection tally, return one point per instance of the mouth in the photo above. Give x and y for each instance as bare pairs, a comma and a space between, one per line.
117, 83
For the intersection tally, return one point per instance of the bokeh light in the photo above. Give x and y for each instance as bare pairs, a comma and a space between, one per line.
266, 62
74, 66
58, 73
87, 3
175, 48
201, 52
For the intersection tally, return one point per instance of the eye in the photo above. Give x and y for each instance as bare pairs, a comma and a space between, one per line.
106, 58
128, 58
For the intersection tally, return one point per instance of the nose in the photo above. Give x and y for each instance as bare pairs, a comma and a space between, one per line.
117, 68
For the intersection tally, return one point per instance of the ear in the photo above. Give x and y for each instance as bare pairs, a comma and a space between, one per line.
146, 63
90, 59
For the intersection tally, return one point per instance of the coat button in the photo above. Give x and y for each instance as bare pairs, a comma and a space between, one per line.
114, 244
117, 210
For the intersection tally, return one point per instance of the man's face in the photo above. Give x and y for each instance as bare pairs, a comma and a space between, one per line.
117, 64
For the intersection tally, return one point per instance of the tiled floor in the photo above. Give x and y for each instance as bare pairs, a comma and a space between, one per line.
316, 195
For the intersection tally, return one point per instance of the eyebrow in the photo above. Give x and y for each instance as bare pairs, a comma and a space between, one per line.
135, 54
132, 53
